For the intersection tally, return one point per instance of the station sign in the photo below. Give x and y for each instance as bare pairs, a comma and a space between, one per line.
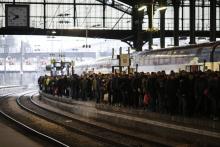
124, 59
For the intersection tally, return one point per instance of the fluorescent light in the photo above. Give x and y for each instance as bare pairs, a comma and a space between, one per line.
162, 8
54, 32
142, 8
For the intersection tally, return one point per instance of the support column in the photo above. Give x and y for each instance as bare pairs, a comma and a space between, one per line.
137, 19
104, 8
162, 24
162, 29
219, 14
182, 19
176, 5
192, 22
150, 14
45, 15
74, 14
212, 20
203, 14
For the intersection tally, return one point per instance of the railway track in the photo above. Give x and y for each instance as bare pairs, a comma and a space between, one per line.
28, 129
45, 129
68, 131
86, 129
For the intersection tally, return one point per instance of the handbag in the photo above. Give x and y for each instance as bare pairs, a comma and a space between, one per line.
146, 98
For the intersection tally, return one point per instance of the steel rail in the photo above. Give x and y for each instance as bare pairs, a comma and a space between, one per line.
31, 130
94, 136
75, 119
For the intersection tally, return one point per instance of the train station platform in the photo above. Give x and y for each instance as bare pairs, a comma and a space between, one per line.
180, 129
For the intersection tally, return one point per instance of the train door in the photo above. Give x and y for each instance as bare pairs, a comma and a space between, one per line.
193, 68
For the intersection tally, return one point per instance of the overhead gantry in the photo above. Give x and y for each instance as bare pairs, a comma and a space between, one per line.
188, 19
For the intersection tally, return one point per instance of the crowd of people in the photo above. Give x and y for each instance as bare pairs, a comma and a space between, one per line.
183, 93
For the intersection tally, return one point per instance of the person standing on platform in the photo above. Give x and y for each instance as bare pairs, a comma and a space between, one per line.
73, 86
96, 88
183, 93
170, 94
191, 98
130, 90
213, 94
89, 87
135, 90
152, 92
200, 91
115, 88
122, 89
109, 89
84, 88
160, 87
77, 87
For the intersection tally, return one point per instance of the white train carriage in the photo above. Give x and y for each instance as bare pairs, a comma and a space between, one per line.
102, 65
190, 58
178, 58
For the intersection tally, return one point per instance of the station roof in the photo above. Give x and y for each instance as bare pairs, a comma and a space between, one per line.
134, 2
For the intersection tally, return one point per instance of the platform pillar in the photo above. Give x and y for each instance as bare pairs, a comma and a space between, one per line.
150, 13
162, 24
137, 20
212, 20
176, 5
192, 22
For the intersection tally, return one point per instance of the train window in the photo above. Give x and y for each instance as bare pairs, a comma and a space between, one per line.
169, 53
145, 61
166, 53
217, 48
184, 60
172, 60
160, 61
155, 61
150, 61
142, 61
199, 51
136, 61
163, 53
182, 52
217, 54
175, 52
166, 60
177, 60
180, 60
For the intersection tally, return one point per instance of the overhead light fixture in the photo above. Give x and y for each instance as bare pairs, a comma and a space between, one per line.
63, 14
64, 21
162, 8
96, 25
53, 32
142, 8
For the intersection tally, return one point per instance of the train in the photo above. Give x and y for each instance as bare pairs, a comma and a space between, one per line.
190, 58
101, 65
